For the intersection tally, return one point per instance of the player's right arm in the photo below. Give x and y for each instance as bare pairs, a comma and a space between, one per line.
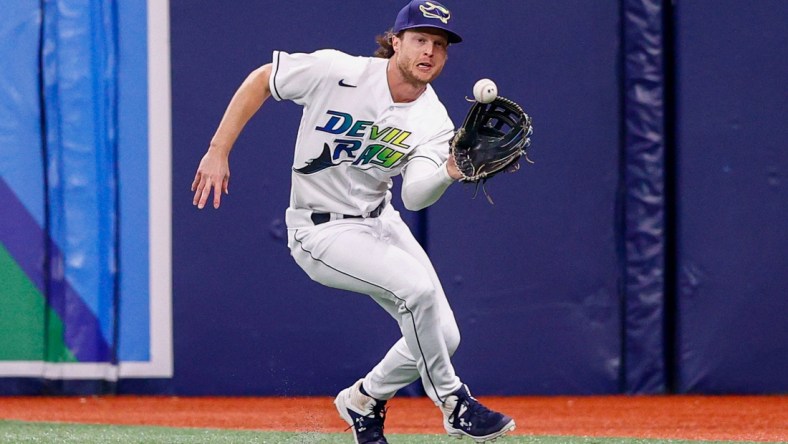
214, 170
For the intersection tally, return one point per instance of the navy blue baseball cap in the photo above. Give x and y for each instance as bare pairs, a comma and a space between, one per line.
426, 14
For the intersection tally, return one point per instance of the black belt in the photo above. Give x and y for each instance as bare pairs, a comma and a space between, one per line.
321, 218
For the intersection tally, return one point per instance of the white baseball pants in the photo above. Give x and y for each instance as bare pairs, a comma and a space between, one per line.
381, 258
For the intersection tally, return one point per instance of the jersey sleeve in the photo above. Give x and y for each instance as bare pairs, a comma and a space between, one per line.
295, 76
423, 183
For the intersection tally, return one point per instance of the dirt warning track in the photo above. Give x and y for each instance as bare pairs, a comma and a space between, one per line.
739, 418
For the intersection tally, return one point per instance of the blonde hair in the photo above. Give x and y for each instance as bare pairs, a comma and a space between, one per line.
385, 48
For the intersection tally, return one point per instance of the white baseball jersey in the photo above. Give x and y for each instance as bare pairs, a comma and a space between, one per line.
353, 137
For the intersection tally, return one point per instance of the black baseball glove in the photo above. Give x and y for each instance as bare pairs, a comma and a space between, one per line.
492, 139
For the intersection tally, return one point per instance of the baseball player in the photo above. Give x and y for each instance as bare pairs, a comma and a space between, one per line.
366, 120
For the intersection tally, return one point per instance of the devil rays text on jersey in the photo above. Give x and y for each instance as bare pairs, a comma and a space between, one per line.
386, 151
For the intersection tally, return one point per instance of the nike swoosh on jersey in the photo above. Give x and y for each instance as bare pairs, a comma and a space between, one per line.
319, 163
342, 83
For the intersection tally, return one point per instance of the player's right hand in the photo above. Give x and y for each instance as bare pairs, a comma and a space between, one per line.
213, 173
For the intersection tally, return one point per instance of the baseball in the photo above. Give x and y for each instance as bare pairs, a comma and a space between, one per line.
485, 91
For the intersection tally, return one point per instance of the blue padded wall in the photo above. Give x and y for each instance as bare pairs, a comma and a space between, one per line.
538, 302
732, 100
247, 320
643, 252
534, 279
645, 177
644, 203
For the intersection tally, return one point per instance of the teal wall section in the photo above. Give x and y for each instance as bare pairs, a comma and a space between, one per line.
132, 156
74, 279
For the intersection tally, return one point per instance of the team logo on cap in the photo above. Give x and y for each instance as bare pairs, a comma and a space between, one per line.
436, 11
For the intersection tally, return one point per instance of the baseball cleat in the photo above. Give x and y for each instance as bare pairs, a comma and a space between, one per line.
463, 415
365, 415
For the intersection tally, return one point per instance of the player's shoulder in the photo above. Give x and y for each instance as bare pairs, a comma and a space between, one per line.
427, 117
339, 58
344, 63
332, 64
346, 67
432, 103
326, 57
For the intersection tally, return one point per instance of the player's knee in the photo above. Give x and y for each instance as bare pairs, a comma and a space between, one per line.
420, 296
451, 334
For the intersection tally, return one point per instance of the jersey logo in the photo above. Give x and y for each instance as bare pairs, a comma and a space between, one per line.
435, 10
319, 163
342, 83
385, 150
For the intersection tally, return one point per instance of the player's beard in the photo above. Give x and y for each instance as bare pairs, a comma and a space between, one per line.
411, 75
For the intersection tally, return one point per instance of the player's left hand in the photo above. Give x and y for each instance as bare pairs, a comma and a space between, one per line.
451, 168
491, 140
213, 173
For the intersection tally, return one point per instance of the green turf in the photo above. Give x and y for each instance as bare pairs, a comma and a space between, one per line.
42, 432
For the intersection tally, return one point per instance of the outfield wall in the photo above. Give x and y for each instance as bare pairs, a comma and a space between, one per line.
643, 252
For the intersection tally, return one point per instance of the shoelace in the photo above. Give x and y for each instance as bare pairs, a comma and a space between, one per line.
476, 410
375, 419
379, 415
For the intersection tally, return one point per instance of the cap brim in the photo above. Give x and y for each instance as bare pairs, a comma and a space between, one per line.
451, 36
